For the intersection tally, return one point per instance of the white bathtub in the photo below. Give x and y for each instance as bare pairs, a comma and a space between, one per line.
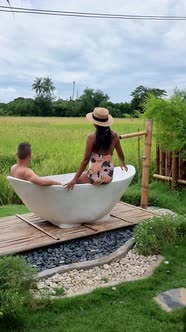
84, 204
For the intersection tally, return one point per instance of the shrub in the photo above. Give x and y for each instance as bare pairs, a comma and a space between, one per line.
170, 119
152, 234
16, 279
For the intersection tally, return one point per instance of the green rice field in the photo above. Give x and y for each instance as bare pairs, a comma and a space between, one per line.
57, 144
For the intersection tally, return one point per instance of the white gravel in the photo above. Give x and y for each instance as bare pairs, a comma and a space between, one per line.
132, 267
160, 211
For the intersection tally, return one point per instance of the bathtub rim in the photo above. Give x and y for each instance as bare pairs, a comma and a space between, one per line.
9, 177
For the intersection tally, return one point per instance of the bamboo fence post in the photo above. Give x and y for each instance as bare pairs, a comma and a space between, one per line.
139, 160
174, 170
157, 159
166, 163
160, 162
146, 164
169, 163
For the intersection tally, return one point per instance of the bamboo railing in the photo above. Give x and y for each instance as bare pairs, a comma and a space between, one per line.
170, 167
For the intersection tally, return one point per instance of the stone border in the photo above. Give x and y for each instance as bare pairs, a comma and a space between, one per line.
119, 253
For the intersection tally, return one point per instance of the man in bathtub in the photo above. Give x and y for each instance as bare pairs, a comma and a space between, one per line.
22, 171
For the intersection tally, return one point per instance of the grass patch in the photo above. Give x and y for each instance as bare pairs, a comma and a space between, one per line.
159, 195
11, 210
128, 308
59, 291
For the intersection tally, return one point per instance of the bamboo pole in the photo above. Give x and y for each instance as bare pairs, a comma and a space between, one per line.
37, 227
157, 159
181, 181
146, 164
181, 168
162, 177
166, 163
160, 162
169, 163
174, 170
139, 159
139, 133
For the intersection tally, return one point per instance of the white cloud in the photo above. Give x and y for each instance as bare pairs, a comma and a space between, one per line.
112, 55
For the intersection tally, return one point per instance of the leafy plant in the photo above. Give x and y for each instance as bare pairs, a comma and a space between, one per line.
59, 291
152, 234
170, 120
16, 279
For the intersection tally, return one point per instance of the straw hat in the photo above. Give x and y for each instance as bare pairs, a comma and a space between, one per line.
100, 116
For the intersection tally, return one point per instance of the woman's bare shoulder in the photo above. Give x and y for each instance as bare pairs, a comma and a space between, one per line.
91, 136
114, 135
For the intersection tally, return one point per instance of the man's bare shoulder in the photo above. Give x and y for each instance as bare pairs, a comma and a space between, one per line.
13, 169
21, 172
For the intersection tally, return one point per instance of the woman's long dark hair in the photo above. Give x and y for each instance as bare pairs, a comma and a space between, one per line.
103, 138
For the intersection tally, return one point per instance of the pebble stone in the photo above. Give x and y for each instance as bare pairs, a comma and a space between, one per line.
78, 250
131, 267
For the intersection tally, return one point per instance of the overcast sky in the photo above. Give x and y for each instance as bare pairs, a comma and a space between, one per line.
112, 55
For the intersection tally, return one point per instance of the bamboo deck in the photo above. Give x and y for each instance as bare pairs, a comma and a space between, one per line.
18, 236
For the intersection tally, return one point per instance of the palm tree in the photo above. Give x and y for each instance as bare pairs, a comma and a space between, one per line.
37, 86
48, 86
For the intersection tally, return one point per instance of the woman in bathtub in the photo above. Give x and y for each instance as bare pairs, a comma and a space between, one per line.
98, 152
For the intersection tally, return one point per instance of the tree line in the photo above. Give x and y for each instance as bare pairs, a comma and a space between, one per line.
45, 104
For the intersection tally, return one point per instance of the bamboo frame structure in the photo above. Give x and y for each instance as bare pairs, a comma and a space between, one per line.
146, 159
170, 167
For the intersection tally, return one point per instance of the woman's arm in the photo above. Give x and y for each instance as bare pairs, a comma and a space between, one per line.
87, 154
120, 153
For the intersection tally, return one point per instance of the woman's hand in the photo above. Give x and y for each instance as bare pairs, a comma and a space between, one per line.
70, 185
124, 167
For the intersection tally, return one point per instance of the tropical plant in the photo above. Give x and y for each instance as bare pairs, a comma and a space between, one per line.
37, 86
43, 87
170, 120
48, 87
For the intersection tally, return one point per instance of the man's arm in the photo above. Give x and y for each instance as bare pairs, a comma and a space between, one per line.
32, 177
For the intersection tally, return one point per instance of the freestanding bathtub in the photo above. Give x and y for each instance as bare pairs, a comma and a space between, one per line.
84, 204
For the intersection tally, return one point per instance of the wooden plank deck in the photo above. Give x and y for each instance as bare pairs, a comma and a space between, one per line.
18, 236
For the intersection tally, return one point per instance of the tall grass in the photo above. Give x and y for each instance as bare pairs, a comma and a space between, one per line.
57, 143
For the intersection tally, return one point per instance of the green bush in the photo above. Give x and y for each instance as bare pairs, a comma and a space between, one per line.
16, 279
169, 116
152, 234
